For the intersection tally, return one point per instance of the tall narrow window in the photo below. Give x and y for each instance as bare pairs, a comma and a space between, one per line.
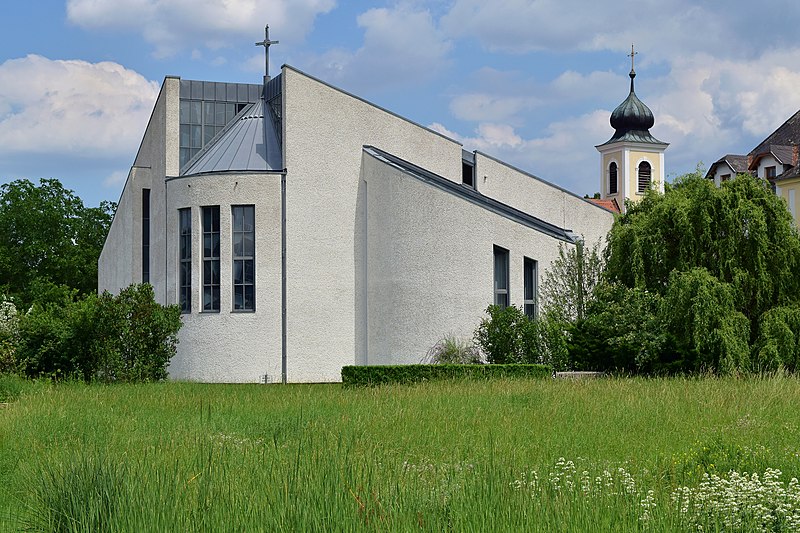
612, 178
644, 176
145, 235
529, 267
211, 258
501, 292
244, 253
185, 254
792, 209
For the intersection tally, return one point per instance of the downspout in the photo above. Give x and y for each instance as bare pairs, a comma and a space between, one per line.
283, 277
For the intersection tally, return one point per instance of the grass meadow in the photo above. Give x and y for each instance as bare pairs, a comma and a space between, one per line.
515, 455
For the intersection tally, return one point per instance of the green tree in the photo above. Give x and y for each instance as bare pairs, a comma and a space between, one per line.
690, 277
740, 233
569, 283
48, 239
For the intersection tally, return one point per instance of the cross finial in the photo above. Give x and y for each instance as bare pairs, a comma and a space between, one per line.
266, 44
631, 55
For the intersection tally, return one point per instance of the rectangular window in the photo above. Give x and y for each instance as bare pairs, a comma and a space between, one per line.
244, 253
145, 235
769, 172
211, 258
791, 204
185, 255
501, 292
725, 177
529, 267
467, 174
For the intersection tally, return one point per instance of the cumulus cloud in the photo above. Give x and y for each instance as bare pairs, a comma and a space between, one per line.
402, 45
179, 24
72, 107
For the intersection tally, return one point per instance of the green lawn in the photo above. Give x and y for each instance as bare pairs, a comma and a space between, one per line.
468, 456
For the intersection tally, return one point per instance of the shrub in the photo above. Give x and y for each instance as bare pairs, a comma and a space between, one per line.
125, 338
135, 337
383, 375
9, 336
509, 336
453, 351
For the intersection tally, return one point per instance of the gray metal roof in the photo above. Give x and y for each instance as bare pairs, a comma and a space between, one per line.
247, 144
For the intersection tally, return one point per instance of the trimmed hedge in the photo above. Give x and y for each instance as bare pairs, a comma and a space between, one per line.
380, 374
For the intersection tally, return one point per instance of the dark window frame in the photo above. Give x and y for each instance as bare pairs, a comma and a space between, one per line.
612, 178
145, 235
185, 259
530, 272
502, 291
243, 263
211, 283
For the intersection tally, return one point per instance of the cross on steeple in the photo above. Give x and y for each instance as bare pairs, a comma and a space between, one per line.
631, 55
266, 44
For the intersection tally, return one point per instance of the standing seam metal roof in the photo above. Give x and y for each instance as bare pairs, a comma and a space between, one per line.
249, 143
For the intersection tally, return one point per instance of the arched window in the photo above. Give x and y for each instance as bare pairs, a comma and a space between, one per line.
644, 176
612, 178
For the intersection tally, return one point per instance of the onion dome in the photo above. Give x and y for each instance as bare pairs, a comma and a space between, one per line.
632, 120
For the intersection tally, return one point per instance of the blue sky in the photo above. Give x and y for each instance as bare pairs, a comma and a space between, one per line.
532, 82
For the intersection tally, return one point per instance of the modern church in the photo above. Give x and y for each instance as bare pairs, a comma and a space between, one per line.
301, 228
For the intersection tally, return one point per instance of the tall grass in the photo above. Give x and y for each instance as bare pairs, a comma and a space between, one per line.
443, 456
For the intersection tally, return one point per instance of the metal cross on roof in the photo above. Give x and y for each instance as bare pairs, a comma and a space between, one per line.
631, 55
266, 44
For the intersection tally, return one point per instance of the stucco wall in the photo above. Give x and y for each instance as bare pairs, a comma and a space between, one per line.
541, 199
430, 263
228, 346
148, 171
324, 132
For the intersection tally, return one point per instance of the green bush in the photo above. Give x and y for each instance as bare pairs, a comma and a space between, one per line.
383, 375
134, 336
778, 343
124, 338
507, 336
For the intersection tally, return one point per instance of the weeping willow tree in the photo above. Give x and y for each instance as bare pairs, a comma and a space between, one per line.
714, 261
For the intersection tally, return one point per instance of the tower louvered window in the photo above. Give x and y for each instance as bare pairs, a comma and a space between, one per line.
644, 176
612, 178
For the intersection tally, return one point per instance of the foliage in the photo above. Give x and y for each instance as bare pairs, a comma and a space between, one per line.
47, 234
128, 337
386, 374
689, 276
620, 332
9, 336
501, 336
508, 336
134, 336
570, 281
778, 343
698, 312
740, 233
453, 351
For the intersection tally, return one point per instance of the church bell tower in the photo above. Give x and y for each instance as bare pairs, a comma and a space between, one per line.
632, 160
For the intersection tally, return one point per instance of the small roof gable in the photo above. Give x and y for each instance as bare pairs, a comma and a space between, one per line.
249, 143
737, 164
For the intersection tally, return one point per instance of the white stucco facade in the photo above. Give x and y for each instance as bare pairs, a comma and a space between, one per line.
381, 260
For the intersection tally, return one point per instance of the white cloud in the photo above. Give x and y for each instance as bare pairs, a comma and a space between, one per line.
402, 45
115, 179
665, 29
72, 107
179, 24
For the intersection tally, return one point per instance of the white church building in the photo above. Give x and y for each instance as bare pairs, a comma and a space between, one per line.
301, 229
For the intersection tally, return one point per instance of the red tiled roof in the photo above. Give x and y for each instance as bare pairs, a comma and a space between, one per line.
610, 204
